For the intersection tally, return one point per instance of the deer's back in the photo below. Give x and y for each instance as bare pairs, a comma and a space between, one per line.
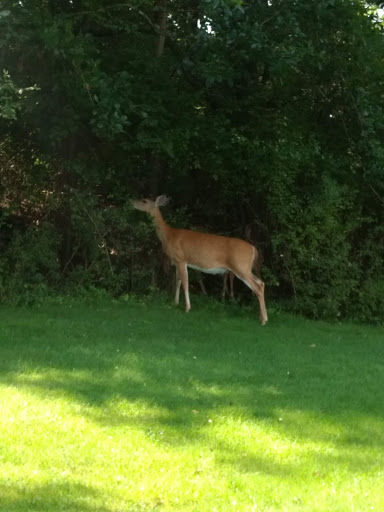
207, 251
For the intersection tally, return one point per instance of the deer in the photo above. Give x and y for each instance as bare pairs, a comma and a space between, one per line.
209, 253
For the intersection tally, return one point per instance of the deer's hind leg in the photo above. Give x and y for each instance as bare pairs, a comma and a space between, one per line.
257, 286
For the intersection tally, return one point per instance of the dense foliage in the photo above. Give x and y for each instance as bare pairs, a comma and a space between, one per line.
261, 119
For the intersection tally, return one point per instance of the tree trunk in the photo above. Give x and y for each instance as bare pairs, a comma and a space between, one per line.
157, 167
162, 24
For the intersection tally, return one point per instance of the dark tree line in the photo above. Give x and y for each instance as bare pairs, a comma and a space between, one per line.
261, 119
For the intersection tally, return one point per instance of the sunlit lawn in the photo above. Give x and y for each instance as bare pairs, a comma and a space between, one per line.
139, 407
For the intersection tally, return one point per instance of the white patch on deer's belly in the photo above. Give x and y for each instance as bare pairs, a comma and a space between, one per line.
214, 270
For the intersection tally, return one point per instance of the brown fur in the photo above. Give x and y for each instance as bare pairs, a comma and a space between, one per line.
185, 247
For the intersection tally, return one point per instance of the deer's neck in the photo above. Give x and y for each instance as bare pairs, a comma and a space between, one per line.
162, 228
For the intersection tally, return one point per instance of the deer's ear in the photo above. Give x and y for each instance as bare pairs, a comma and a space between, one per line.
161, 201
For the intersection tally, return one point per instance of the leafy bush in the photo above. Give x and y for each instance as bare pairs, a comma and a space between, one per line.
29, 264
257, 117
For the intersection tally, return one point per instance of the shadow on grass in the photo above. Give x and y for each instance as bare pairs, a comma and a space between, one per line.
59, 497
195, 366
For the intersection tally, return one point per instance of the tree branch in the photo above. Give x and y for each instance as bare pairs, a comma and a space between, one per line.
155, 27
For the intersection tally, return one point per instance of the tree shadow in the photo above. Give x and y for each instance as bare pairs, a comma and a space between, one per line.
161, 361
63, 496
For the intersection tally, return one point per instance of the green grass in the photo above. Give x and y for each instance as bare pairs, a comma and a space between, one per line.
134, 406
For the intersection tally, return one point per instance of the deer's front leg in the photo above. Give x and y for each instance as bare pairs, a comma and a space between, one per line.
183, 276
178, 284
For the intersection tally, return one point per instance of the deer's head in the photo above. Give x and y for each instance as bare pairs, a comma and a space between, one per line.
148, 205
